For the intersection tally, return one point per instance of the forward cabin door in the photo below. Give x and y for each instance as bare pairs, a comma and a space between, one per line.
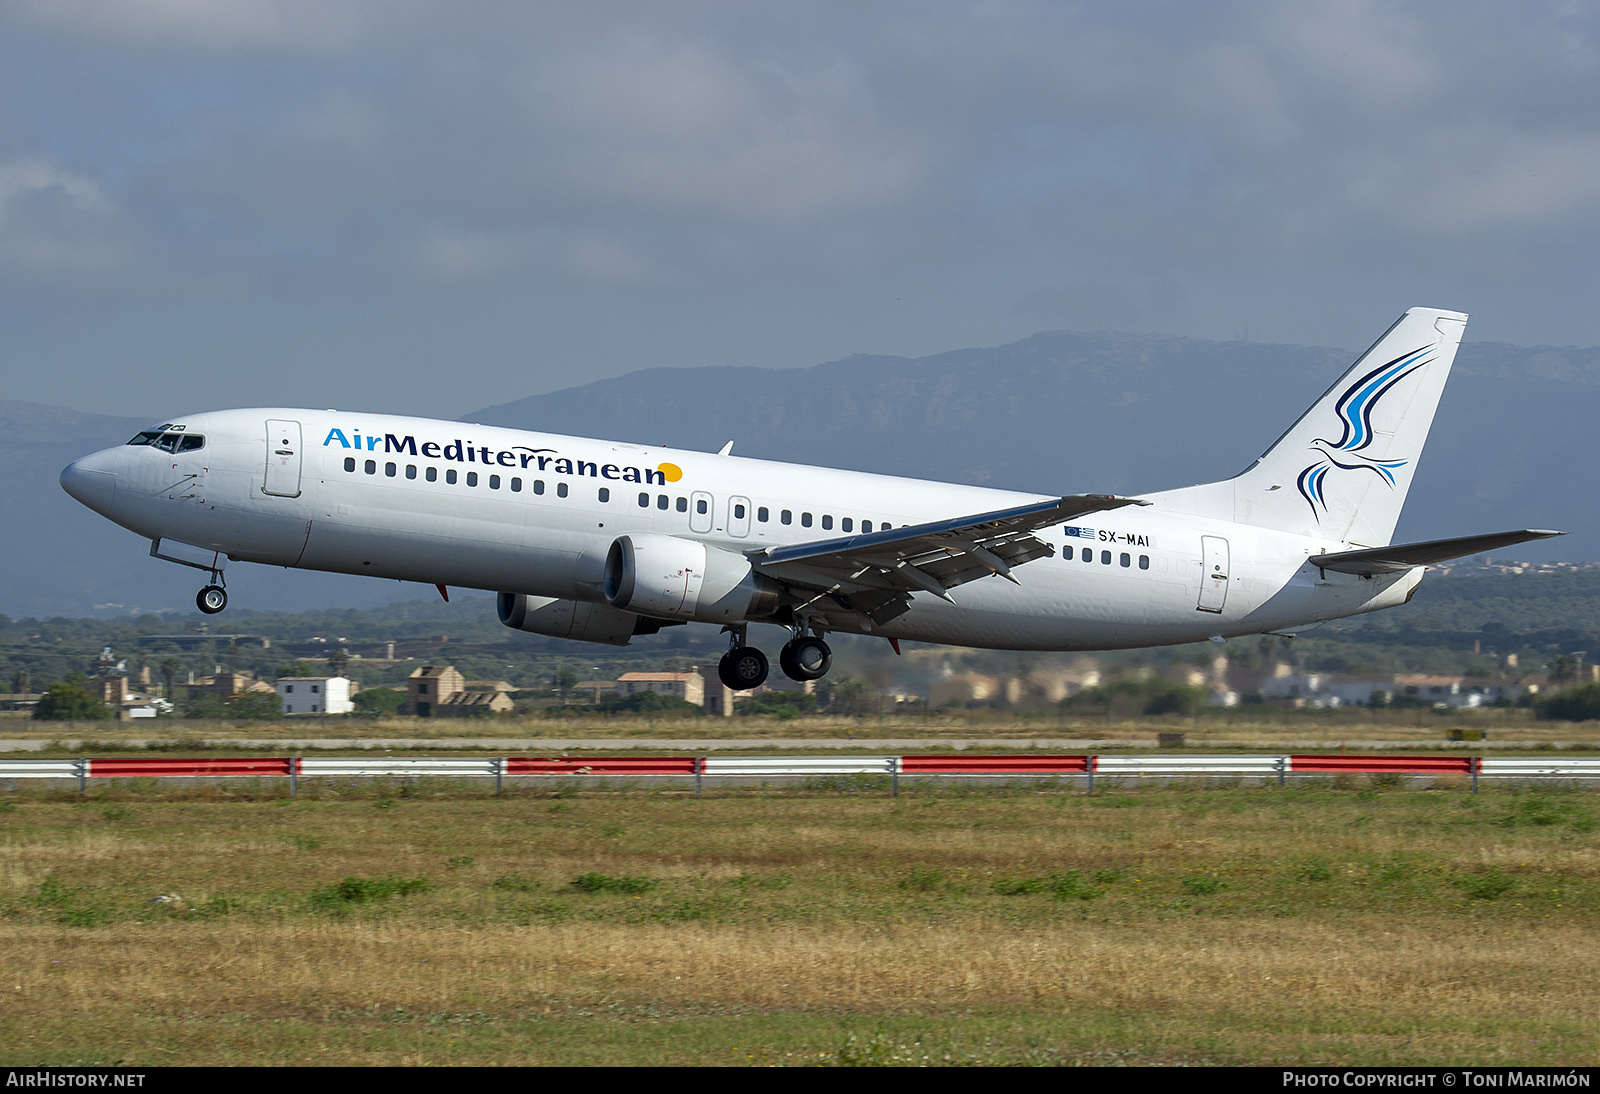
1214, 575
283, 459
739, 517
700, 511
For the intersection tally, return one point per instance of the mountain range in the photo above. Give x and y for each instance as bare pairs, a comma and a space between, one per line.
1059, 412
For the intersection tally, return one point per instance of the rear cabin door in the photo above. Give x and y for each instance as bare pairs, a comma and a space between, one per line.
283, 459
1214, 574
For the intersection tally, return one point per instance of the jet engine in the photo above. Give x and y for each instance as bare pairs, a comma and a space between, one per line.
573, 619
675, 578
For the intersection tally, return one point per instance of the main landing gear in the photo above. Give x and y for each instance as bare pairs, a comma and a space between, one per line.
744, 668
805, 657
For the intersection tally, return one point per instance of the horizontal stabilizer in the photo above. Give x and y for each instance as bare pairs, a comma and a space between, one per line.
1405, 556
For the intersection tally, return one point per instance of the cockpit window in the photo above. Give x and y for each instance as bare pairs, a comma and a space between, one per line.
171, 442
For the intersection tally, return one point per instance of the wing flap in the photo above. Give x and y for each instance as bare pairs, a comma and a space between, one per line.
876, 572
1405, 556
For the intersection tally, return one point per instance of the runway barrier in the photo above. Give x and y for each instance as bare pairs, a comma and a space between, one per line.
1088, 768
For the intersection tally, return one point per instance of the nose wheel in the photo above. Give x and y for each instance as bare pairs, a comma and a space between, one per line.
743, 668
805, 658
212, 599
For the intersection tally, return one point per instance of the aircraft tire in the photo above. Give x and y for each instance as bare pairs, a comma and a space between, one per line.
743, 669
212, 599
805, 659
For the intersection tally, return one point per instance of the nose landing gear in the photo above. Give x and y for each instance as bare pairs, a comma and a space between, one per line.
212, 599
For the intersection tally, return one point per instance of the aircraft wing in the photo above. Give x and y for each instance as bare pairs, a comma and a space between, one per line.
876, 573
1405, 556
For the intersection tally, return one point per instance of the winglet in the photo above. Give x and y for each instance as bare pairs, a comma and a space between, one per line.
726, 450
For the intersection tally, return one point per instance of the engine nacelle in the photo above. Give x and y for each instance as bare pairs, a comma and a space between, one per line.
673, 578
573, 619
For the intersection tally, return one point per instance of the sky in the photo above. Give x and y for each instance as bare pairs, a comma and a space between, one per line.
430, 208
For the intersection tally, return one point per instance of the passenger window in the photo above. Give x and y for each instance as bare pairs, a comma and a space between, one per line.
1066, 554
516, 485
1088, 554
786, 517
349, 463
1144, 562
432, 474
192, 442
472, 478
805, 520
494, 482
1105, 558
1126, 560
450, 476
699, 507
846, 524
827, 521
605, 493
662, 501
390, 470
866, 526
738, 512
538, 486
762, 514
411, 470
371, 468
561, 489
683, 505
644, 501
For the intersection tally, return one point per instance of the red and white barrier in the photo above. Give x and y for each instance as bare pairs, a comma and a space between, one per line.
1022, 764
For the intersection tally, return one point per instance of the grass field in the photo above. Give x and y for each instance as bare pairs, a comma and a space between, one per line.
430, 923
1264, 728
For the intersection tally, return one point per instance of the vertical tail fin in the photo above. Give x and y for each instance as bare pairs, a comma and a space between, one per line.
1342, 471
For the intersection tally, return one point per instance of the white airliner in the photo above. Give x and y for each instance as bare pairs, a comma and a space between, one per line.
600, 541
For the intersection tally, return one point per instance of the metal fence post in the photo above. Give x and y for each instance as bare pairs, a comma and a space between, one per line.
294, 776
83, 774
1477, 765
699, 773
894, 777
499, 772
1283, 769
1089, 766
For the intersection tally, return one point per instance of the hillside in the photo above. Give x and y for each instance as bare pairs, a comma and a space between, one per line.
1055, 412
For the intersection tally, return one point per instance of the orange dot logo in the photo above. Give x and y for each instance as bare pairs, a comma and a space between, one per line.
670, 471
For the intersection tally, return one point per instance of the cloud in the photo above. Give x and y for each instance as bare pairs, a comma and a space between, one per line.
221, 24
354, 150
53, 220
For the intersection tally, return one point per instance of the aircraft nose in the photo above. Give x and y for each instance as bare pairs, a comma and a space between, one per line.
91, 481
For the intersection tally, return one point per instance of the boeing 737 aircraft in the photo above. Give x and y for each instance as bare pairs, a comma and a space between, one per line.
600, 541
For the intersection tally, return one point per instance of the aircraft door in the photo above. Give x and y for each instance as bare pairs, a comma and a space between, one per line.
738, 517
700, 511
1214, 575
283, 459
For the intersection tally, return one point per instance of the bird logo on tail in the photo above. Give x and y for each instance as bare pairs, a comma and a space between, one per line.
1354, 409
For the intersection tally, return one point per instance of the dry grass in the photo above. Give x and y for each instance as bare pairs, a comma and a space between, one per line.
1255, 728
1225, 924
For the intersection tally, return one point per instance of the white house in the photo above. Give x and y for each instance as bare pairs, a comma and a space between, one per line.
315, 695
